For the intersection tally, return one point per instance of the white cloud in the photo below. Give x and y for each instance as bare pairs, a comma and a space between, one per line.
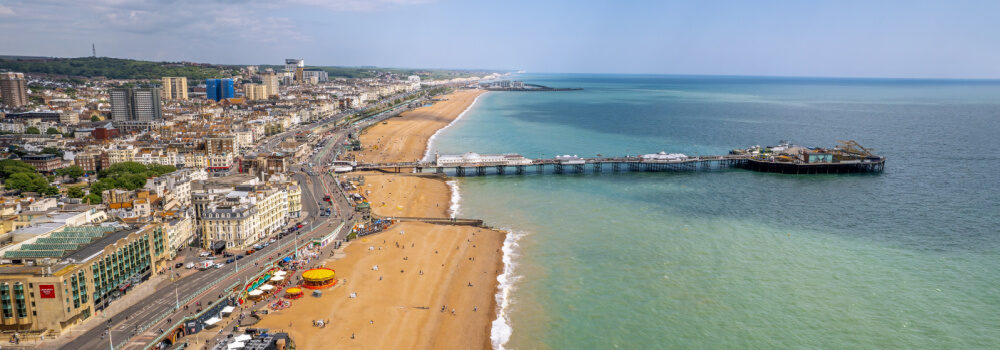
211, 30
357, 5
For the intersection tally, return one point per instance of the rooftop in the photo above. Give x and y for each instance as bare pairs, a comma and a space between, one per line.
75, 243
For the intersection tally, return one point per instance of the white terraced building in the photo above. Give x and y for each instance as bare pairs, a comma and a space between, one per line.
473, 159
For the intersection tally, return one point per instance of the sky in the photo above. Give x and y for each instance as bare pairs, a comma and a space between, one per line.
906, 39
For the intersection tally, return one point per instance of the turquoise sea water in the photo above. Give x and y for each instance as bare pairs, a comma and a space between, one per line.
736, 259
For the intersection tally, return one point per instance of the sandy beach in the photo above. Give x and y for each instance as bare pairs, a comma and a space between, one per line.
407, 195
405, 138
399, 306
424, 270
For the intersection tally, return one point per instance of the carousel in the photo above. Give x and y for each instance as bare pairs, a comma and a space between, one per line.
293, 293
318, 278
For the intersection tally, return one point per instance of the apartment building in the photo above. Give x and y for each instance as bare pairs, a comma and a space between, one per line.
63, 278
175, 88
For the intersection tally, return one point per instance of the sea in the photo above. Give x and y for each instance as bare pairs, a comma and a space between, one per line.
734, 259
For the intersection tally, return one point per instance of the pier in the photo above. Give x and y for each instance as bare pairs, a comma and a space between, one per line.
846, 158
630, 164
507, 85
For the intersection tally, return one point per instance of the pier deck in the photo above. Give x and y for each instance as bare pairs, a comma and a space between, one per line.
630, 164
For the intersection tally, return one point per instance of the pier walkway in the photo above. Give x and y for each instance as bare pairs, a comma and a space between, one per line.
629, 164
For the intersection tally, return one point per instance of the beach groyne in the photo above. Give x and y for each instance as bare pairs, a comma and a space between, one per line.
442, 221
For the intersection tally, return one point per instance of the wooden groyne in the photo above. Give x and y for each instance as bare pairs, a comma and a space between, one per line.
442, 221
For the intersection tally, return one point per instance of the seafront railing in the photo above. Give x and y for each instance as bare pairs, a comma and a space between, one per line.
159, 318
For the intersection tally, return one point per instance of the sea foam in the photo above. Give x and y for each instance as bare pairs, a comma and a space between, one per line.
456, 197
501, 329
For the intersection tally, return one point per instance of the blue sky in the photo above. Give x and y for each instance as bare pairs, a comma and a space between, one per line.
930, 39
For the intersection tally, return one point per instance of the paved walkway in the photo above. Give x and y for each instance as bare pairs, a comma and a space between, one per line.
137, 294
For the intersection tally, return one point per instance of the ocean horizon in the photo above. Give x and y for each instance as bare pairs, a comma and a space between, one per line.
733, 258
756, 78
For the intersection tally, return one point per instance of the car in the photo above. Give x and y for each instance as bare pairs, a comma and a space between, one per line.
230, 260
219, 265
178, 265
273, 240
189, 265
226, 255
250, 251
205, 254
238, 257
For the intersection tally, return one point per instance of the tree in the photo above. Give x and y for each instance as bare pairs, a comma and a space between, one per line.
73, 172
10, 167
92, 198
95, 118
29, 182
123, 167
53, 131
75, 192
32, 130
128, 175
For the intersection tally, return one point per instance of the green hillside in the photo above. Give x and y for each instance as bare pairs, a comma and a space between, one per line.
114, 68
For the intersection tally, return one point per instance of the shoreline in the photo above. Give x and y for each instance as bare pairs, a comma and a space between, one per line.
407, 309
430, 140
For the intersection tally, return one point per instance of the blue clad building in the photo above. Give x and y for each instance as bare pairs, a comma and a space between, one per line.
218, 89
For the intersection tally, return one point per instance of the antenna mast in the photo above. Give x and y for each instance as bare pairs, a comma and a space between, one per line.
93, 49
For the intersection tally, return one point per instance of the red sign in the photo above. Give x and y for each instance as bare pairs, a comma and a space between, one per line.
47, 291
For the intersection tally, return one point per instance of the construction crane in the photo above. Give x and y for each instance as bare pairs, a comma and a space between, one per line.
851, 146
